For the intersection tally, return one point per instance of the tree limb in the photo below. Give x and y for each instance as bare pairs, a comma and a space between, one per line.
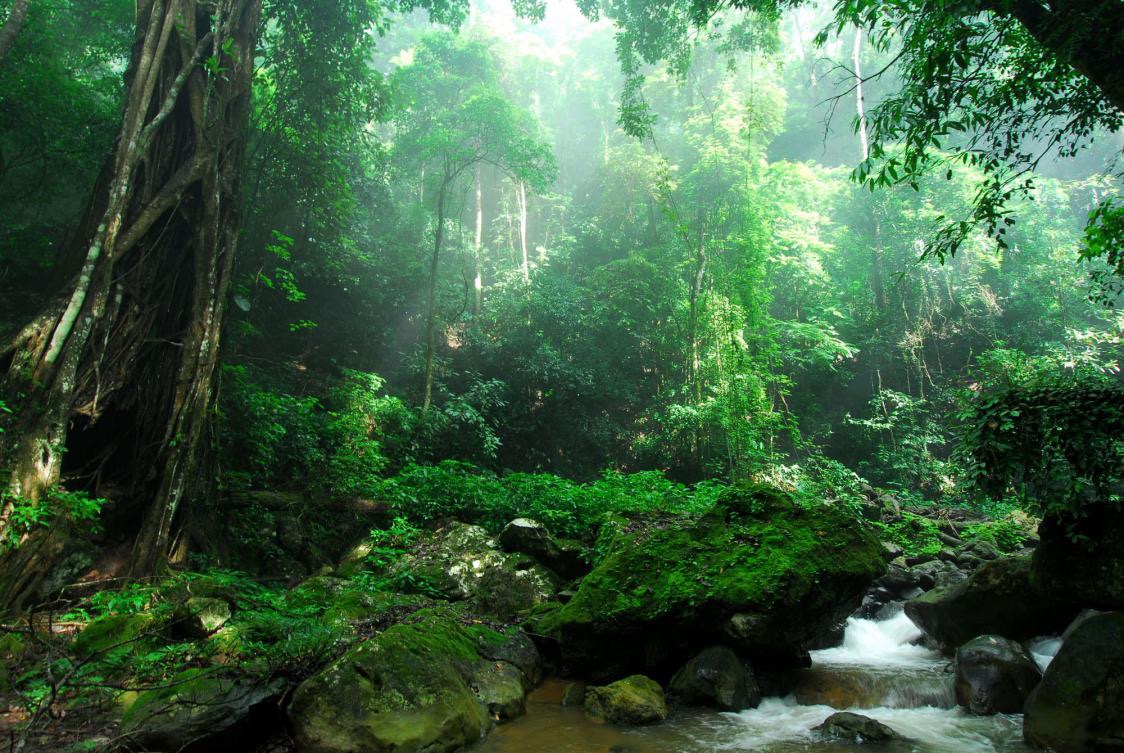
12, 26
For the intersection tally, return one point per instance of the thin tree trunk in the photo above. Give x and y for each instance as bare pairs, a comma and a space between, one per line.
522, 196
876, 263
125, 357
12, 25
478, 248
431, 307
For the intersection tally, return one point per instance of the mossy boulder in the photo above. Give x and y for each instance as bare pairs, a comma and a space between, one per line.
463, 562
200, 617
1073, 571
118, 635
632, 701
1003, 598
407, 690
1079, 705
501, 688
196, 705
667, 587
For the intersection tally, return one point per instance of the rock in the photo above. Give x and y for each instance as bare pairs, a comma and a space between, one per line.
574, 694
937, 574
893, 551
1000, 598
982, 550
513, 647
717, 677
116, 635
501, 688
1079, 705
757, 571
1083, 575
463, 562
198, 704
531, 537
201, 616
407, 689
994, 675
845, 725
632, 701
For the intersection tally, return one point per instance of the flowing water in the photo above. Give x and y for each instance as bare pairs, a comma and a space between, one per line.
877, 671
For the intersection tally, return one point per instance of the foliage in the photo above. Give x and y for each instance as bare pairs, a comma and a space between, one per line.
59, 508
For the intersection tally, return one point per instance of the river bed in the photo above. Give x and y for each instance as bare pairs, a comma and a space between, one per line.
877, 671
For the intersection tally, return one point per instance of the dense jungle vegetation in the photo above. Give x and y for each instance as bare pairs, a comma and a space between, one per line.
304, 302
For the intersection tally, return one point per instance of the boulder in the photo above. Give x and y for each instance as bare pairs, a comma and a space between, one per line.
502, 688
408, 689
1079, 705
994, 675
632, 701
757, 571
574, 694
200, 616
1088, 576
512, 647
196, 705
532, 538
848, 726
717, 677
1000, 598
464, 562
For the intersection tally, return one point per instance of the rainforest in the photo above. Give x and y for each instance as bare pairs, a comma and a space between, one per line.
561, 376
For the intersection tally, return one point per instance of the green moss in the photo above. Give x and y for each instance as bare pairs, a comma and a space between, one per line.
116, 635
916, 535
404, 690
754, 551
633, 700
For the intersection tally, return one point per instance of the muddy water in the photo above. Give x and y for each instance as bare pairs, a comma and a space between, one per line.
877, 671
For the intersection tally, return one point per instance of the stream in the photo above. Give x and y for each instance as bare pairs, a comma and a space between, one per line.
876, 671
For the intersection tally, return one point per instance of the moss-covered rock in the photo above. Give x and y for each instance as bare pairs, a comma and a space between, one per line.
501, 688
667, 587
195, 705
634, 700
1079, 705
464, 562
201, 616
118, 634
406, 690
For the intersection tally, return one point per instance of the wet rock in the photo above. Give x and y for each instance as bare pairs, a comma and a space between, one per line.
501, 689
1079, 705
1000, 598
845, 725
994, 675
937, 573
196, 705
717, 677
758, 572
893, 551
632, 701
532, 538
574, 694
514, 647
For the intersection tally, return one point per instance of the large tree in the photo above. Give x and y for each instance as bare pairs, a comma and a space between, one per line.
113, 381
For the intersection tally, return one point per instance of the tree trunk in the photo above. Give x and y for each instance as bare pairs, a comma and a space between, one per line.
1086, 34
876, 272
11, 28
478, 248
431, 307
116, 376
523, 232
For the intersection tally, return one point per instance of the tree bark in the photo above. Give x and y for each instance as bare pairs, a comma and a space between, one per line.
522, 195
431, 307
116, 376
12, 25
1086, 34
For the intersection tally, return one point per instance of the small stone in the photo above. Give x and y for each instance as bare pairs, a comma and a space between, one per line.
845, 725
